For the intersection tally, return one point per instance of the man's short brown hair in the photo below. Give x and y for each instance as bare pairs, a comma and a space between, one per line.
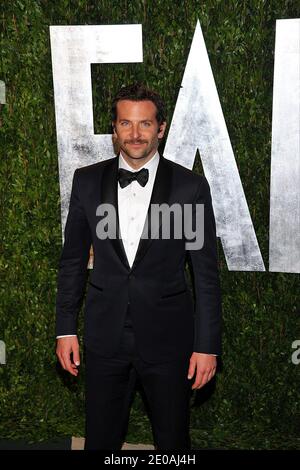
138, 92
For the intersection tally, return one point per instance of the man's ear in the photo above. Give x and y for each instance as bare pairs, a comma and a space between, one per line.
161, 129
113, 127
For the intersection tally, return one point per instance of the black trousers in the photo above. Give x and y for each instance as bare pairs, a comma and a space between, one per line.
107, 383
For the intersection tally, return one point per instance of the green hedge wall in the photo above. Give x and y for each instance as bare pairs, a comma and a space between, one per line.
254, 402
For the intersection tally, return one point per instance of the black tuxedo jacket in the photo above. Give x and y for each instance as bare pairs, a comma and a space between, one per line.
167, 319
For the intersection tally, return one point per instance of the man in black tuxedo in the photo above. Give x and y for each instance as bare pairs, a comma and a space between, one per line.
139, 311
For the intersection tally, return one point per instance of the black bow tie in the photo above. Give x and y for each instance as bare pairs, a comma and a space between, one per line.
125, 177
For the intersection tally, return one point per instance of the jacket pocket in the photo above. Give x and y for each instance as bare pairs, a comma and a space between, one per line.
96, 287
173, 294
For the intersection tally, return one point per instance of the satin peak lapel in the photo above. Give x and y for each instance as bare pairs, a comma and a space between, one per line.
109, 195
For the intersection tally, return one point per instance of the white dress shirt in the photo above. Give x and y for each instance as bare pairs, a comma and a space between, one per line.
133, 203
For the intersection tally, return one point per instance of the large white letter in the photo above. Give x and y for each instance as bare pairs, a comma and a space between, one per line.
285, 163
198, 123
2, 92
74, 49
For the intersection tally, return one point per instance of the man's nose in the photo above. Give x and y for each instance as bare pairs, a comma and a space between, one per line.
135, 131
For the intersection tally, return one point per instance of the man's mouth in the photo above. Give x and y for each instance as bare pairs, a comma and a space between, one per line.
136, 144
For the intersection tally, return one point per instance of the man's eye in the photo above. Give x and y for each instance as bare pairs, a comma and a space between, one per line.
146, 124
124, 123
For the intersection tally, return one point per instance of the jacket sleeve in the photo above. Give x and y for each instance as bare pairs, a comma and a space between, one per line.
207, 337
72, 269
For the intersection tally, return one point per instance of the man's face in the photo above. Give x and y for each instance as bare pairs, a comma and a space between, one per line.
136, 129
